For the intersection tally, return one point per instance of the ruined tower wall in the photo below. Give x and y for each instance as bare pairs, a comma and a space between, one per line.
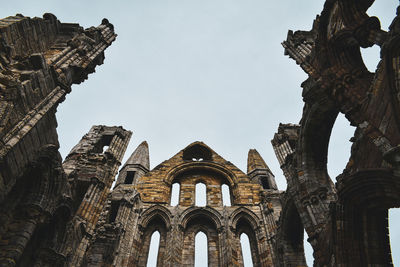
338, 218
40, 58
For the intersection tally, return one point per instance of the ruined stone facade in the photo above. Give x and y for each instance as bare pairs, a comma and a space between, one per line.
347, 222
55, 213
140, 204
48, 211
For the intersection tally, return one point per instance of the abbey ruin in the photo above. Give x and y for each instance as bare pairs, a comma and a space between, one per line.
69, 213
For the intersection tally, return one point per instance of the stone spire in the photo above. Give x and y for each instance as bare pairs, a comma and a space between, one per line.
136, 166
140, 156
255, 161
259, 171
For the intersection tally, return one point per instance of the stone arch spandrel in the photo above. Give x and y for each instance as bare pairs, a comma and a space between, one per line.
247, 214
156, 211
206, 212
230, 177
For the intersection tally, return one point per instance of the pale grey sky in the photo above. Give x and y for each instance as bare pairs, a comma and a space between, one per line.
187, 70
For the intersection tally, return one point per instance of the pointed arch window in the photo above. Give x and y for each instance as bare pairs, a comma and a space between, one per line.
246, 250
175, 194
153, 250
201, 250
201, 195
226, 195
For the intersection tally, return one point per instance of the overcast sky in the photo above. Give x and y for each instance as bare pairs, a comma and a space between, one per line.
185, 70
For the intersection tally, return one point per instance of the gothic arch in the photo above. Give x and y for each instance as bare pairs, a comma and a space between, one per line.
156, 211
207, 212
156, 218
227, 175
246, 214
290, 236
208, 221
245, 221
314, 135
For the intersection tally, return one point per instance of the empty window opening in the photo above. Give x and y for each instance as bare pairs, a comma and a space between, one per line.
113, 211
265, 183
175, 194
339, 146
129, 177
394, 235
308, 250
246, 250
153, 250
104, 143
105, 149
201, 250
197, 152
201, 195
226, 196
371, 57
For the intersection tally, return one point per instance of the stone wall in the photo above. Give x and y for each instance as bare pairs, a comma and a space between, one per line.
40, 58
339, 218
135, 211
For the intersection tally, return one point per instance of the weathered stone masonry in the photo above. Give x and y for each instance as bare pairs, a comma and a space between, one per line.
65, 214
40, 204
346, 222
140, 205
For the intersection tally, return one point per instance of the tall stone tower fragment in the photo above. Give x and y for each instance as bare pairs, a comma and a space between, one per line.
40, 58
91, 167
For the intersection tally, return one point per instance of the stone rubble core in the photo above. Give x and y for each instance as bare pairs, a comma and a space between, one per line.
55, 213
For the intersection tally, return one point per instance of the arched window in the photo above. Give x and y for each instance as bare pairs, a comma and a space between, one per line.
226, 195
246, 250
175, 194
153, 250
201, 250
201, 195
339, 146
